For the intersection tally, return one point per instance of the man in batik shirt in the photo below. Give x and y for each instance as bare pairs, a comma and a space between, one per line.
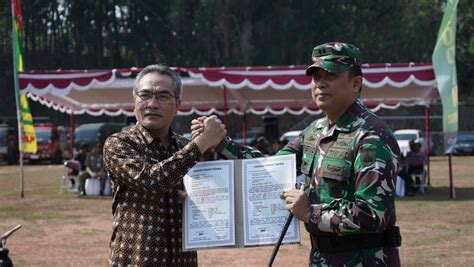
350, 159
146, 165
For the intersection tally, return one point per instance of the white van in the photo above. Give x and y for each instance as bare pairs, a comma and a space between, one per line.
405, 136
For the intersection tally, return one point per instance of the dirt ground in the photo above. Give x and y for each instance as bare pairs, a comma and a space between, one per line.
60, 229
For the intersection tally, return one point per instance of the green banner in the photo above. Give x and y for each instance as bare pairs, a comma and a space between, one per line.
444, 64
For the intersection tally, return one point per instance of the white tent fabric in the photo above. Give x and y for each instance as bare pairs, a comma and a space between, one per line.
258, 90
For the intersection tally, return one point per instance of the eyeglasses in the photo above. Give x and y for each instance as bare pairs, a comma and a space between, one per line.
162, 97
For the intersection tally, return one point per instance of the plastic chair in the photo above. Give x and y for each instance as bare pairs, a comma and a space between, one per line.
71, 174
92, 187
419, 179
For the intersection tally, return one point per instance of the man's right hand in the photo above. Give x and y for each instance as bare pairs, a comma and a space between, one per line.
211, 132
197, 127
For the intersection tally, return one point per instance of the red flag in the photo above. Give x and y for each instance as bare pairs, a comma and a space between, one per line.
17, 13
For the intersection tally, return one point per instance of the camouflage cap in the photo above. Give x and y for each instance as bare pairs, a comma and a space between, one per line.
334, 57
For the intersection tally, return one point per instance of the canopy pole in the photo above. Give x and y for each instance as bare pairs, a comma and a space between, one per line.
452, 193
427, 145
71, 135
225, 107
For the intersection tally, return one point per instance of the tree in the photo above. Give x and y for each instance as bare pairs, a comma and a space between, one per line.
81, 34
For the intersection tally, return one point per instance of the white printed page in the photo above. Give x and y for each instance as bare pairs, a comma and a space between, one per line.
209, 206
264, 212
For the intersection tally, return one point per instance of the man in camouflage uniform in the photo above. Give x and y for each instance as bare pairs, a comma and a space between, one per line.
350, 159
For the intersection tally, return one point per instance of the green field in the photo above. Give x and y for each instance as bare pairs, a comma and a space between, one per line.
60, 229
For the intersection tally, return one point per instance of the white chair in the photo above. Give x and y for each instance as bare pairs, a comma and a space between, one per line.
72, 167
92, 187
419, 179
400, 187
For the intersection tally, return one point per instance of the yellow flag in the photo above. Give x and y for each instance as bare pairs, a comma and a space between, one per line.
26, 120
29, 138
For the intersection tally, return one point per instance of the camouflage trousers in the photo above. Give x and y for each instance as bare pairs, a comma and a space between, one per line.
366, 257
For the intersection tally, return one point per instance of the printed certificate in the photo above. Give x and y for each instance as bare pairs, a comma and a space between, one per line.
236, 203
264, 213
209, 206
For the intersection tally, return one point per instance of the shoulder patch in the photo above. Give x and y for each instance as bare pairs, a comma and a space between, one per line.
367, 156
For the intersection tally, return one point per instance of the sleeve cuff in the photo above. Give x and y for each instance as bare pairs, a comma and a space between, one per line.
223, 144
314, 218
193, 147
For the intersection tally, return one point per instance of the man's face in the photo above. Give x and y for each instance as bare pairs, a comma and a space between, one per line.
155, 102
334, 93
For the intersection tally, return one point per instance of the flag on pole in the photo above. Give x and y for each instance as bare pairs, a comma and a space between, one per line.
28, 137
444, 63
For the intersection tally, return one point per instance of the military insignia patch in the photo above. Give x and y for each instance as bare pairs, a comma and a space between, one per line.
367, 156
335, 169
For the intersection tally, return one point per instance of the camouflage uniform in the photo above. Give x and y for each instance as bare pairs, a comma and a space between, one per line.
351, 167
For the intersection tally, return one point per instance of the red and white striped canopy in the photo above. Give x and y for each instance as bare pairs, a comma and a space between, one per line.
258, 90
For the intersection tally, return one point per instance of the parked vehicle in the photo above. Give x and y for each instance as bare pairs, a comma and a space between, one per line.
248, 140
464, 144
91, 133
404, 137
49, 145
251, 136
127, 127
290, 136
3, 141
9, 150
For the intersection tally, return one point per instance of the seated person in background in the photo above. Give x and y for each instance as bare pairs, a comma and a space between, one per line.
415, 161
261, 144
94, 166
416, 158
410, 189
276, 145
81, 157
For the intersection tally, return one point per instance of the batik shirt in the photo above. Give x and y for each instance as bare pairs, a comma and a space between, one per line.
148, 215
351, 167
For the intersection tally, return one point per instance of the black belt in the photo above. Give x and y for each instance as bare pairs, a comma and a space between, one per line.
334, 244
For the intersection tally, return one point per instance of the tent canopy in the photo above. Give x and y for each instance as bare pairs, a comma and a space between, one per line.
258, 90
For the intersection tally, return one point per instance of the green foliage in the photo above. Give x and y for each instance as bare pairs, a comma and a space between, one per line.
78, 34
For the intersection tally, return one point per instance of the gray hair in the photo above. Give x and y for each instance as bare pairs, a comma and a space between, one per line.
163, 70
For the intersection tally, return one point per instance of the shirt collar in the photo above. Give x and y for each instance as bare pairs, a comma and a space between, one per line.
149, 138
346, 120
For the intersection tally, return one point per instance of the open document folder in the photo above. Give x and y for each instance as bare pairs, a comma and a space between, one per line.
236, 203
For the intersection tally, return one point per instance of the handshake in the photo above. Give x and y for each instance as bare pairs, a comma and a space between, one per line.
207, 132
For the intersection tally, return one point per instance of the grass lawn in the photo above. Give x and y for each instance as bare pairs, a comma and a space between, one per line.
60, 229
